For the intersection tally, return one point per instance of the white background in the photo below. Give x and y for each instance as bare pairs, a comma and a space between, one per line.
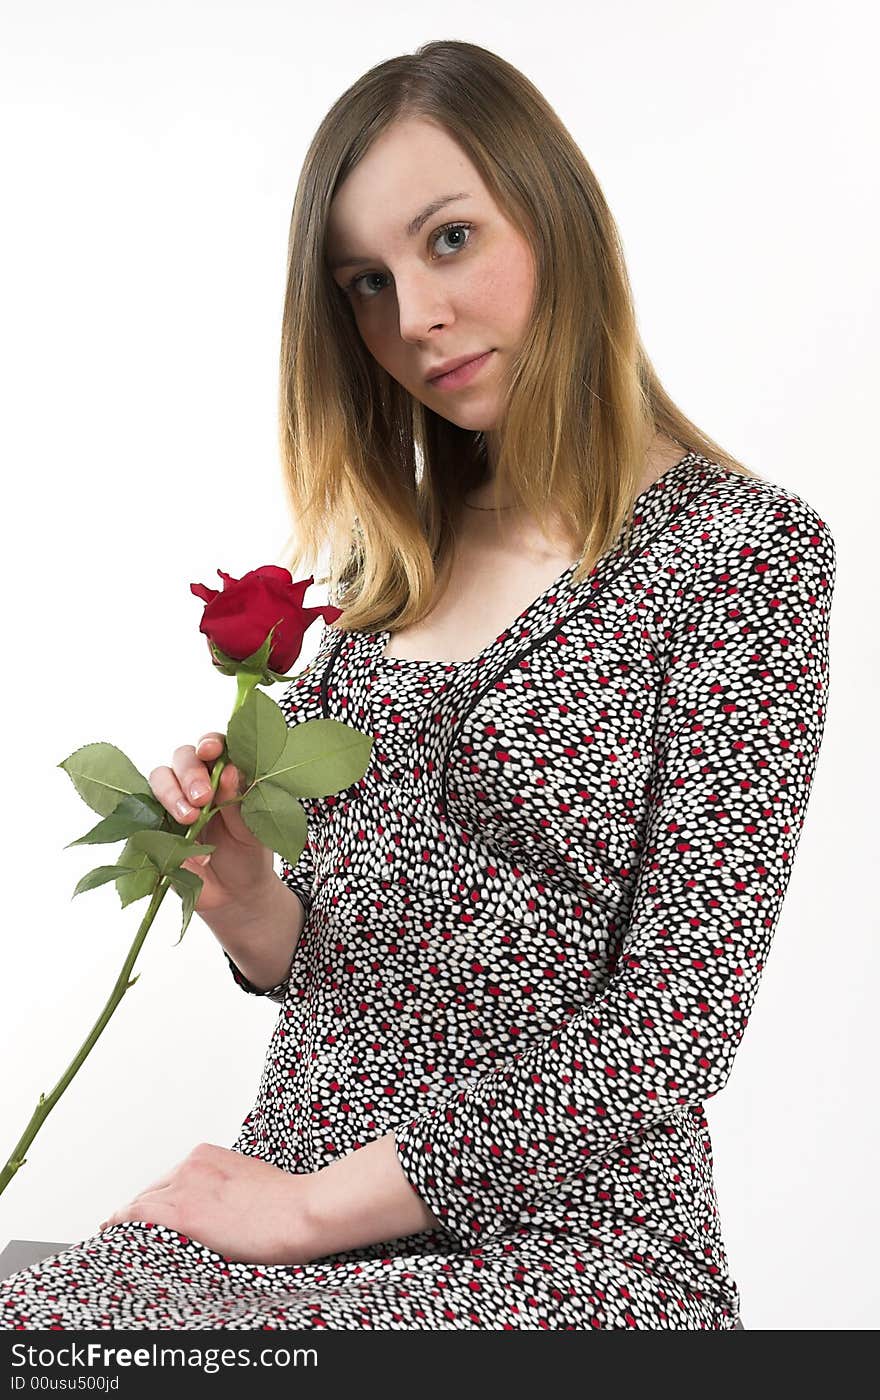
150, 155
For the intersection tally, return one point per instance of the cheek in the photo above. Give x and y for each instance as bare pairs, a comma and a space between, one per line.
502, 293
382, 340
522, 286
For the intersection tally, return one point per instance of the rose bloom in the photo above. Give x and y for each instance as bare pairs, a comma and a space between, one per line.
238, 619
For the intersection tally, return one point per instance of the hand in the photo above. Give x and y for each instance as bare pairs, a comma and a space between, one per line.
240, 867
242, 1207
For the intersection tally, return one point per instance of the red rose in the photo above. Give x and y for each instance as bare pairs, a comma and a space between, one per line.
239, 619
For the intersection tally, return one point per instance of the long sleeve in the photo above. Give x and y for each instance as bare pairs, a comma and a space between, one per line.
743, 683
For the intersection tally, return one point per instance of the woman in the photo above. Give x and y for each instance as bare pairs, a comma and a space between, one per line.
518, 956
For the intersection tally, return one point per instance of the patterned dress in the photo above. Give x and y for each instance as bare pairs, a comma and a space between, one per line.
535, 932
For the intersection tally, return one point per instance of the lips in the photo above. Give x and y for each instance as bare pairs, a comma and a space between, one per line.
464, 373
454, 364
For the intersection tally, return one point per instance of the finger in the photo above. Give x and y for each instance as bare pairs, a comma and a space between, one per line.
139, 1208
210, 745
158, 1185
168, 790
196, 863
128, 1212
193, 776
227, 789
132, 1212
230, 794
229, 781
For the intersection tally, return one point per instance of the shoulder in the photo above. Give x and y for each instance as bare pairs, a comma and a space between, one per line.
766, 523
753, 556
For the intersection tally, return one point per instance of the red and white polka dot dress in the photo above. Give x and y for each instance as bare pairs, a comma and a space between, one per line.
536, 929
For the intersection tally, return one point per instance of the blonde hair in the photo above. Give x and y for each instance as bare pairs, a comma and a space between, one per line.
377, 477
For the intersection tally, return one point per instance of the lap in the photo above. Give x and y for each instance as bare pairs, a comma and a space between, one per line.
137, 1275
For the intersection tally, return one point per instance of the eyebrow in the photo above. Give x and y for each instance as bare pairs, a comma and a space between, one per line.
411, 229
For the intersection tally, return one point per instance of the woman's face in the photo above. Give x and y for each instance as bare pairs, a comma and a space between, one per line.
434, 291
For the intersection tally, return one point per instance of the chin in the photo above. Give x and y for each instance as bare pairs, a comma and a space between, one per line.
473, 417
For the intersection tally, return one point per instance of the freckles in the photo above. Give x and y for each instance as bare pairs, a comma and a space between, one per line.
500, 292
488, 285
510, 269
522, 273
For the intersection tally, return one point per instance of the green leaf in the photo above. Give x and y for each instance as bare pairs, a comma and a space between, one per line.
99, 876
143, 877
223, 662
134, 813
102, 775
165, 850
256, 735
276, 819
257, 662
189, 886
321, 756
258, 659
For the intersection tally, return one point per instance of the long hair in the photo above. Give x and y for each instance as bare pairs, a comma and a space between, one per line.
375, 477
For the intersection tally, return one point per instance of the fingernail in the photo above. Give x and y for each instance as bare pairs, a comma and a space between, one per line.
183, 808
198, 790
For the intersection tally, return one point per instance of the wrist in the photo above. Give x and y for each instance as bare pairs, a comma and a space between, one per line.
267, 901
302, 1235
261, 935
361, 1198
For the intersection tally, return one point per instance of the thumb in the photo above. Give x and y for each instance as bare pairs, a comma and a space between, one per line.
196, 863
232, 784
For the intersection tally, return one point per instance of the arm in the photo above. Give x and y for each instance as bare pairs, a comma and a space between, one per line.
362, 1198
260, 944
741, 714
259, 941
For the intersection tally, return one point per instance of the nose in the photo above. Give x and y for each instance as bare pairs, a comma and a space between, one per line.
420, 307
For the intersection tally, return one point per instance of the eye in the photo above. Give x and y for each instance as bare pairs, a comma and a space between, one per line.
351, 286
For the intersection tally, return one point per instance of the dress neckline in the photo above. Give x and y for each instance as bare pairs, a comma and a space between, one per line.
379, 640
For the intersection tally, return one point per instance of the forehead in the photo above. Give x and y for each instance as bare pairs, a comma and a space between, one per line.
413, 162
